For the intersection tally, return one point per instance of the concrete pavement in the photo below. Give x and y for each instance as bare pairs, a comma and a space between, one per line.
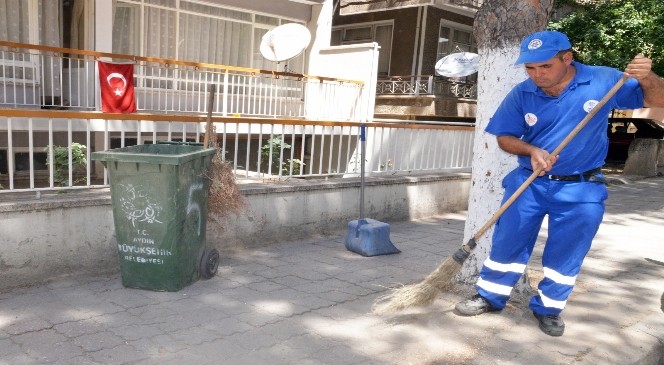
309, 301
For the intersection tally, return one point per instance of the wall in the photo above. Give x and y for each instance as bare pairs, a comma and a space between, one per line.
398, 106
65, 234
404, 35
285, 8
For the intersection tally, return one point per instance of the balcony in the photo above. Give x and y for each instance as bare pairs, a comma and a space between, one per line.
415, 85
44, 77
414, 96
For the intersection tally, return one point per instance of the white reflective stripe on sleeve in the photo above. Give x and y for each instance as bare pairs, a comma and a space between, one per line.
497, 266
550, 303
558, 277
493, 287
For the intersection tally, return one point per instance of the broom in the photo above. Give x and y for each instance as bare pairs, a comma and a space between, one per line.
424, 293
224, 196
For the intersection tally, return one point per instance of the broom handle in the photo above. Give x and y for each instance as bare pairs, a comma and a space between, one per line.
555, 152
208, 121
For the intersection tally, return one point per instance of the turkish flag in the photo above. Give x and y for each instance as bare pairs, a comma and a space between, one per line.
116, 81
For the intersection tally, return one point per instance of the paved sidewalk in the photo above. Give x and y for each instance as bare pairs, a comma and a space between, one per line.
308, 302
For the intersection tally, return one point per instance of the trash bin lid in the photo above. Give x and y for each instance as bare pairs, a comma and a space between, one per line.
161, 153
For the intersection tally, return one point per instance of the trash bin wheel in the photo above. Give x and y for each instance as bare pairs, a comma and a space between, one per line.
209, 263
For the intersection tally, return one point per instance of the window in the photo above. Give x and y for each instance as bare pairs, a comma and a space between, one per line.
22, 161
192, 31
295, 65
210, 40
4, 168
453, 38
14, 21
31, 21
117, 142
28, 21
380, 33
358, 35
126, 22
77, 29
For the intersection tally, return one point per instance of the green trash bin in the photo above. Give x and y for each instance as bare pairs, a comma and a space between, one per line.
159, 195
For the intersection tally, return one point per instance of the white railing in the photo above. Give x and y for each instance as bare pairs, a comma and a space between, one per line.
257, 149
33, 76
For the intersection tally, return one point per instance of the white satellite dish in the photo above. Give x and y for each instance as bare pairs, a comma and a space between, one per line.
285, 42
458, 64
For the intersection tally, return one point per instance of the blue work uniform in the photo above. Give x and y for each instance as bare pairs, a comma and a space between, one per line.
572, 194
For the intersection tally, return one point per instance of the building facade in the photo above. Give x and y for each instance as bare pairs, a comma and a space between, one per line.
414, 36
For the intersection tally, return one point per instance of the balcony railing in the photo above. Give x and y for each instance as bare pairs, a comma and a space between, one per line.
257, 149
456, 89
471, 4
33, 76
405, 85
415, 85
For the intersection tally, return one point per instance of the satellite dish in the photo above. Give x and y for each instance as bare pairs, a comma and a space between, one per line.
458, 64
285, 42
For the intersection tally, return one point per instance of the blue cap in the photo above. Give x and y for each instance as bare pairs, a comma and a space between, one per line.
542, 46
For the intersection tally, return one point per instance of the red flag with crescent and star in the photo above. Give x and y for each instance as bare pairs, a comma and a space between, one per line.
116, 81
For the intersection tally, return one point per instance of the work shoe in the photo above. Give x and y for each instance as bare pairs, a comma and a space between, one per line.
474, 306
551, 324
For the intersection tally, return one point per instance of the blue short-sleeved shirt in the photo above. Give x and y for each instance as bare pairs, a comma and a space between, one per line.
544, 121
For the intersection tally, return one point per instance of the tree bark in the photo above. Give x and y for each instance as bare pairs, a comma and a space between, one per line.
499, 27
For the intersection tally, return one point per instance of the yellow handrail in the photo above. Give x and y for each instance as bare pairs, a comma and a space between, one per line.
67, 114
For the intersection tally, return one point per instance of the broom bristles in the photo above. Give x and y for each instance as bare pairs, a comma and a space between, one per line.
418, 295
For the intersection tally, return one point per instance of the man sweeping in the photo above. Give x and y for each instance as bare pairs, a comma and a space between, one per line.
532, 119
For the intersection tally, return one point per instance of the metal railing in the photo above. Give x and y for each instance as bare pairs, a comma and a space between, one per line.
34, 76
356, 7
473, 4
405, 85
415, 85
456, 89
257, 149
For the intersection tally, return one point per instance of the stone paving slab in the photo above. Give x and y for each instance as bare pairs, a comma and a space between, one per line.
309, 302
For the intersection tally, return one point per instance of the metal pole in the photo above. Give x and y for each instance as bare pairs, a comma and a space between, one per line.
363, 150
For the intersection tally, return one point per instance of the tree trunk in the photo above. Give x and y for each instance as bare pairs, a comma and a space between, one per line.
499, 27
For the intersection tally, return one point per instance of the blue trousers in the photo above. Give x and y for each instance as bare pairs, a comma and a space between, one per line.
574, 210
